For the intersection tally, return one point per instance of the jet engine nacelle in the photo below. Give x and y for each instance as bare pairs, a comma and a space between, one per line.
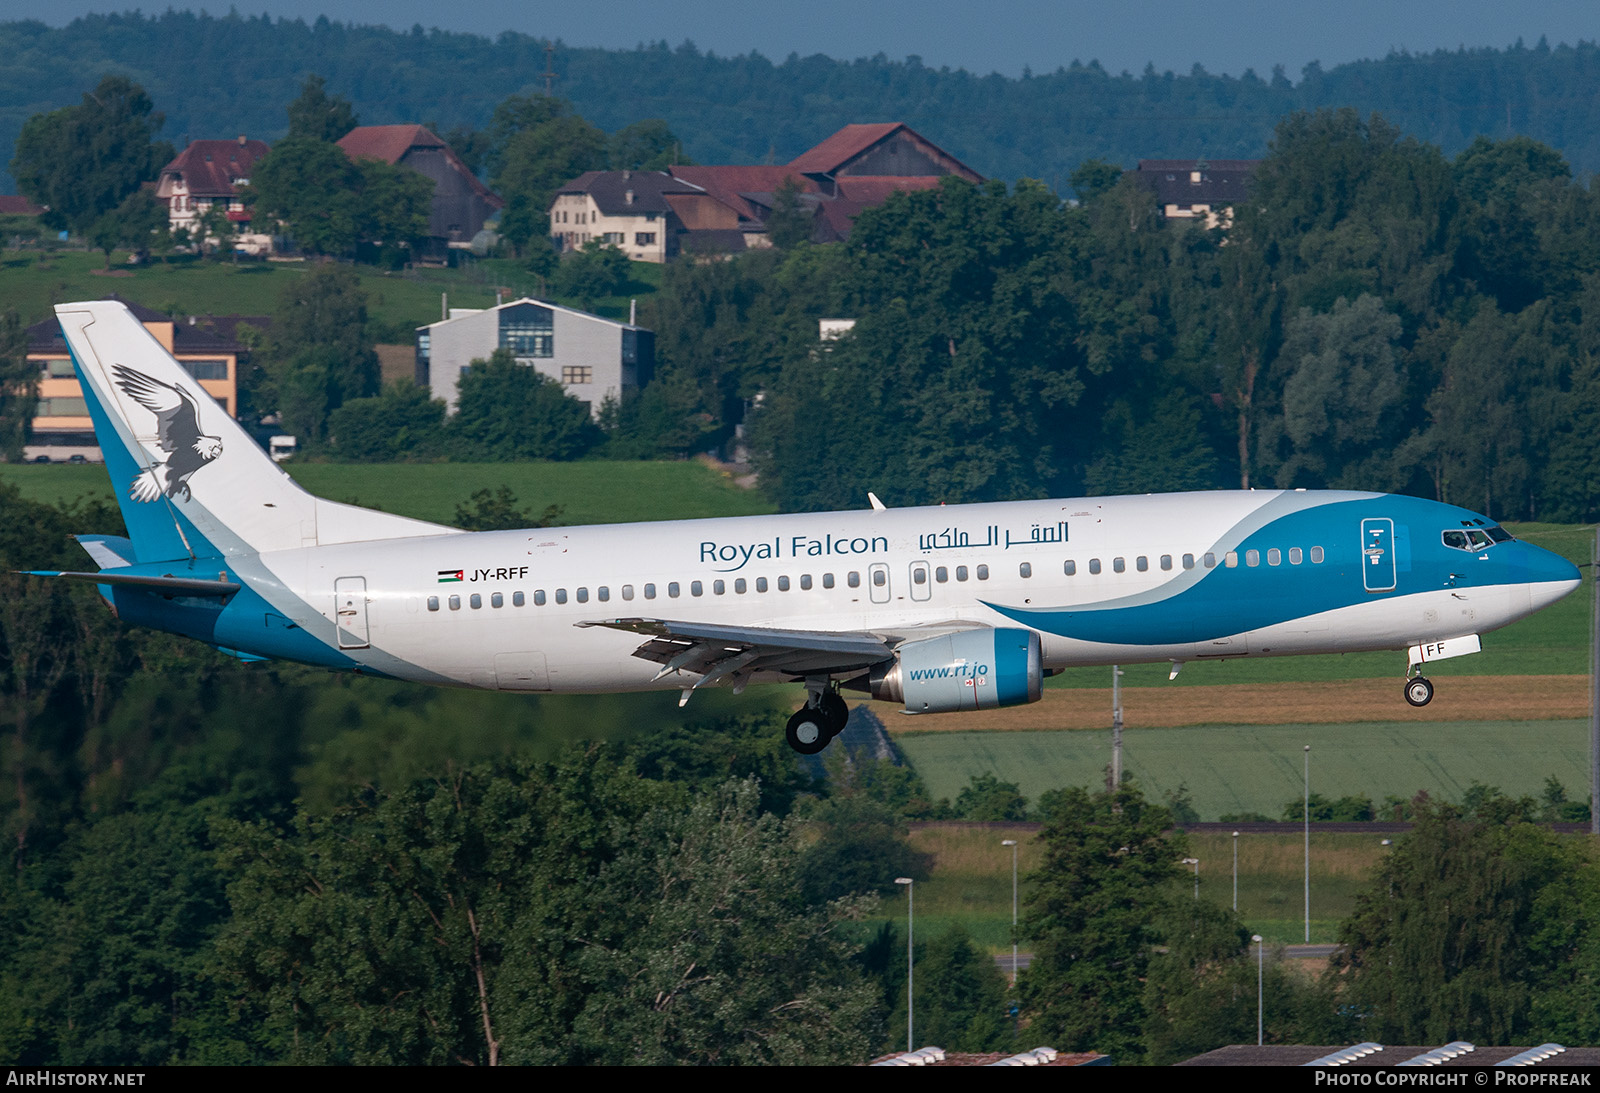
967, 670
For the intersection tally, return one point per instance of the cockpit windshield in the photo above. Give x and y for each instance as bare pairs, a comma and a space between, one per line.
1473, 538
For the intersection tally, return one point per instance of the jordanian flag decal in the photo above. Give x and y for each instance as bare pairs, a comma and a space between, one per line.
450, 576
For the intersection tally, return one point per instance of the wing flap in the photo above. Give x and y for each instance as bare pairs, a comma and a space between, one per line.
708, 649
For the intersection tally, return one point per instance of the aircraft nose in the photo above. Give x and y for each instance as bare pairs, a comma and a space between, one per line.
1550, 576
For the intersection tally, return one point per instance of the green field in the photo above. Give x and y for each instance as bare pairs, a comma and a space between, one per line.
31, 281
597, 492
970, 884
1258, 768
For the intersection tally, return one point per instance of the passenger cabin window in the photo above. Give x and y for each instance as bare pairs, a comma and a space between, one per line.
920, 575
1094, 565
672, 589
783, 583
455, 603
1188, 561
854, 580
649, 591
942, 575
1274, 556
805, 582
1166, 561
761, 584
1141, 563
583, 595
1231, 559
719, 587
880, 578
433, 603
696, 588
1252, 558
627, 591
518, 600
983, 573
538, 597
827, 580
1316, 555
961, 572
603, 593
475, 601
1296, 555
1025, 569
1211, 560
561, 595
497, 600
740, 586
1069, 567
1119, 565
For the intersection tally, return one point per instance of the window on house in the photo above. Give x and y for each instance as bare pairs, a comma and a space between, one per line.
571, 374
644, 239
527, 330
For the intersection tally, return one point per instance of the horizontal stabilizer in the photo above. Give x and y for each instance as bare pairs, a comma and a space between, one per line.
171, 586
108, 551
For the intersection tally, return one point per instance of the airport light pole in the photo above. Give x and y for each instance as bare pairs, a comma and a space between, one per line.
910, 933
1196, 863
1235, 872
1308, 843
1012, 843
1116, 728
1261, 964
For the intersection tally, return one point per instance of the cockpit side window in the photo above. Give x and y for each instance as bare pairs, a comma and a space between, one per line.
1471, 539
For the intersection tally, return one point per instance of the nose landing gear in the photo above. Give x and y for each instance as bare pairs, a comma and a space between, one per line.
1419, 691
816, 723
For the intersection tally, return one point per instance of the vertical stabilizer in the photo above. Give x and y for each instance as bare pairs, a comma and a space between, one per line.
190, 481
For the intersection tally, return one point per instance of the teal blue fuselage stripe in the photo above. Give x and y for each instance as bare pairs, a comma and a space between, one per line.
1011, 667
1234, 600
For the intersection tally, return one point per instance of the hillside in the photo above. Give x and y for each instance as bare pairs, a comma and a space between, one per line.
751, 109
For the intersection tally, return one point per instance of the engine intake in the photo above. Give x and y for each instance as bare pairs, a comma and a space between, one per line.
967, 670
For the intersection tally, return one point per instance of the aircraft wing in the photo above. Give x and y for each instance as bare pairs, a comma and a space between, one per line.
712, 650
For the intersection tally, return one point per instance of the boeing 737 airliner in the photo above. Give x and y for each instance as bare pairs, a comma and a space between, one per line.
951, 608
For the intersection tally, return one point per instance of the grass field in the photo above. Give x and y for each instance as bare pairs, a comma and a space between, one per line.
31, 281
970, 883
589, 493
1258, 768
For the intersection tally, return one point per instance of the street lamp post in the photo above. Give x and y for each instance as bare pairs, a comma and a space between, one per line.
1261, 963
1308, 843
1196, 863
1235, 872
1012, 843
910, 933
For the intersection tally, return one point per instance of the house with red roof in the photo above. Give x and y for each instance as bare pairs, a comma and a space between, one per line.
206, 174
461, 203
653, 216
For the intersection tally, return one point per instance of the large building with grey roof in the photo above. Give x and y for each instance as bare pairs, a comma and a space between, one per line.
593, 358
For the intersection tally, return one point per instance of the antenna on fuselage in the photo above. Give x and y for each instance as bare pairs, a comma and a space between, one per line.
876, 504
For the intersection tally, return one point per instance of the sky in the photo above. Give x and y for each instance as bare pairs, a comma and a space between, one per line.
1005, 36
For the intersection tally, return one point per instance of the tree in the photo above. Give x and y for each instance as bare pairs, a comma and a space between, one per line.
19, 387
856, 846
1092, 917
330, 203
534, 162
1093, 178
319, 354
593, 272
960, 996
645, 146
1467, 926
509, 411
790, 222
986, 798
316, 115
403, 421
81, 162
497, 511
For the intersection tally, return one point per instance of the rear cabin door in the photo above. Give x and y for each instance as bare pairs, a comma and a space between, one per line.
350, 607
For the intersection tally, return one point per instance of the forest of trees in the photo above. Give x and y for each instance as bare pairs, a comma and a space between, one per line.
750, 109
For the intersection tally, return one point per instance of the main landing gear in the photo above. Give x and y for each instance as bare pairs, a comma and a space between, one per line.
819, 720
1419, 691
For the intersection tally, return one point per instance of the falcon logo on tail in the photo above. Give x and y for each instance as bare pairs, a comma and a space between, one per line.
177, 432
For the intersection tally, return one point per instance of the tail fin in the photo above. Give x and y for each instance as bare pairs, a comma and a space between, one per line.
189, 480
